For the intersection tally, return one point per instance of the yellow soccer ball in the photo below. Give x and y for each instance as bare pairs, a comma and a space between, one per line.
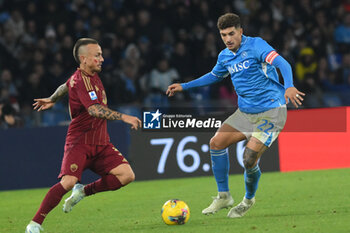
175, 212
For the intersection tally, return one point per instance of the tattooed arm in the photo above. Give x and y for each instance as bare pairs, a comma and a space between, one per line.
46, 103
59, 93
103, 112
99, 111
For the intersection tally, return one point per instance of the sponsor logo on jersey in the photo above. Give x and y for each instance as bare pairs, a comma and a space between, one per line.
239, 67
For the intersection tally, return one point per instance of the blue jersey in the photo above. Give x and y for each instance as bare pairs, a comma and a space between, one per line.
254, 78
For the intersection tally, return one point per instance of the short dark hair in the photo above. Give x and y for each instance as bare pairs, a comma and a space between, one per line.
229, 20
78, 44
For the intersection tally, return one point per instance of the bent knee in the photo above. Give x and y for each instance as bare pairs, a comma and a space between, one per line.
216, 144
131, 177
250, 158
127, 178
248, 164
68, 182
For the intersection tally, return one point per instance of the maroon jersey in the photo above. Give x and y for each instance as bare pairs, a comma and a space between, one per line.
85, 90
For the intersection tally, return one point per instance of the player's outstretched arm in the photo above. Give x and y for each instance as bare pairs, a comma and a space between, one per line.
100, 111
202, 81
47, 103
173, 88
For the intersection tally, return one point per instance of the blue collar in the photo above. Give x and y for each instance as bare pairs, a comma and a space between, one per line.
244, 39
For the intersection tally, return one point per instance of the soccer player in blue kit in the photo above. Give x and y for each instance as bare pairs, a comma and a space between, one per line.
261, 112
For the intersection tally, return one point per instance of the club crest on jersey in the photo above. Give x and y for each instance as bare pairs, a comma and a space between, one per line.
244, 54
92, 95
73, 167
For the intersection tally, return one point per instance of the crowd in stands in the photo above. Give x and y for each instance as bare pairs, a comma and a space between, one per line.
149, 44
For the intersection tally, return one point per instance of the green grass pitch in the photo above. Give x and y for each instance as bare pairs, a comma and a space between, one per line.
305, 202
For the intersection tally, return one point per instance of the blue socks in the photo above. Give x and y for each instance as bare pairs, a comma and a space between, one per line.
221, 166
251, 178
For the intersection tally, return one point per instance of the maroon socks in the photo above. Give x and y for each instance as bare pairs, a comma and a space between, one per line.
106, 183
56, 192
51, 200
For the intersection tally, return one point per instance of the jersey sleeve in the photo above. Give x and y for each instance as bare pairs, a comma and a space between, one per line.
264, 51
219, 69
85, 92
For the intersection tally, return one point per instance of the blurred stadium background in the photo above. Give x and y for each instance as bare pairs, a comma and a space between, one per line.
176, 40
146, 46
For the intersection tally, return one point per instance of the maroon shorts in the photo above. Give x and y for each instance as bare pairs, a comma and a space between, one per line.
98, 158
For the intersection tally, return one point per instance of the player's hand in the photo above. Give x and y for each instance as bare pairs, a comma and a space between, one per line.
43, 104
294, 96
133, 121
173, 88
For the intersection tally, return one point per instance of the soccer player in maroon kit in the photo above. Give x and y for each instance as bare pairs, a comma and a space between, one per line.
87, 142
